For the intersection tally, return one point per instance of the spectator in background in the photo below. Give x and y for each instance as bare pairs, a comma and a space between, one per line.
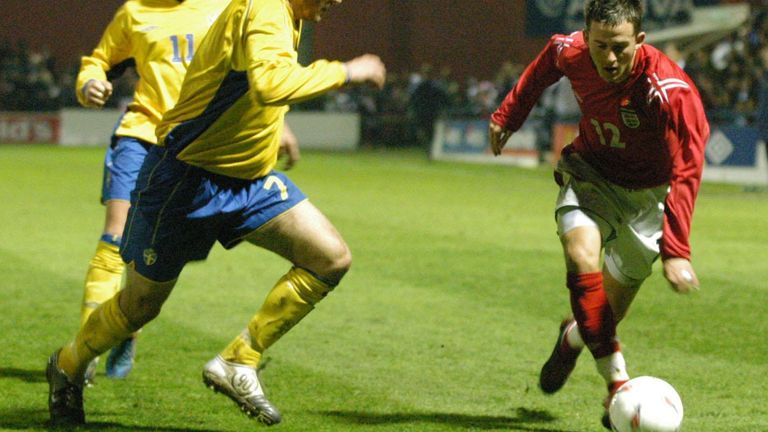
506, 78
673, 52
428, 100
761, 113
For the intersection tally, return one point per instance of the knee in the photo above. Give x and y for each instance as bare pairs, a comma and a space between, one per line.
139, 310
582, 257
582, 246
142, 299
339, 263
334, 264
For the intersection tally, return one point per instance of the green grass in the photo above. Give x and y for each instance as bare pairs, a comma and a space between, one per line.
450, 308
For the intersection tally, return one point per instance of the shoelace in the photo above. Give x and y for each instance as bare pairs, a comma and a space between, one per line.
71, 395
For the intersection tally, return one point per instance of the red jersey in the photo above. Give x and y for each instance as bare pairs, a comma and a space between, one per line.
647, 131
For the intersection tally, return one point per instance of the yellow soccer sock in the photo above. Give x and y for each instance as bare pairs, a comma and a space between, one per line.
240, 351
290, 300
103, 279
106, 327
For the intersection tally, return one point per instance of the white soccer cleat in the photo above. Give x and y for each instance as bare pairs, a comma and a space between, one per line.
241, 384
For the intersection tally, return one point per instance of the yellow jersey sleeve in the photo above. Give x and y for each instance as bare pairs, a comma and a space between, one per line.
275, 75
161, 36
113, 48
230, 114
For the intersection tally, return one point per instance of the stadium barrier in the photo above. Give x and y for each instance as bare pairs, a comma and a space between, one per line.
29, 128
734, 154
466, 140
737, 155
82, 127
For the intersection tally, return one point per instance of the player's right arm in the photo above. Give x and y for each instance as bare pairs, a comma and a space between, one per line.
540, 74
499, 136
367, 68
92, 87
274, 75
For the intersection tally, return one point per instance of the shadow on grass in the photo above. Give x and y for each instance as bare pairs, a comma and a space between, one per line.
524, 420
37, 419
30, 376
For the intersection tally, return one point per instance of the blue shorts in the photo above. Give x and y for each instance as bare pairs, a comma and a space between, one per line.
179, 211
121, 167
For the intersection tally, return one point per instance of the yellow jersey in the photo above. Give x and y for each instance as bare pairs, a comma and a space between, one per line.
161, 36
230, 114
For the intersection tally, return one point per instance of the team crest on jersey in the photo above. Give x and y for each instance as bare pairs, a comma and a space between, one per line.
630, 118
150, 256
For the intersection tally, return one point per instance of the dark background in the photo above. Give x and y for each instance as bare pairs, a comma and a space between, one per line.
472, 37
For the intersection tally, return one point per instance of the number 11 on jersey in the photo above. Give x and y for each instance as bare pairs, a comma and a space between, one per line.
190, 39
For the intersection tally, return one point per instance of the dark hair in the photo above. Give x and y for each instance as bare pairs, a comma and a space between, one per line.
614, 12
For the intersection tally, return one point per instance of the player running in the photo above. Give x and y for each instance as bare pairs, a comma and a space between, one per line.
628, 181
211, 179
158, 38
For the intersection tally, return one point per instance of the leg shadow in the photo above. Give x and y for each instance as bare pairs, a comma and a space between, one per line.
523, 420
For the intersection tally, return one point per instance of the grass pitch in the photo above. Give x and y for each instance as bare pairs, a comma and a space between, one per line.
451, 306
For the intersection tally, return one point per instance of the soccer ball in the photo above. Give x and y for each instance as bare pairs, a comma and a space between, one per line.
646, 404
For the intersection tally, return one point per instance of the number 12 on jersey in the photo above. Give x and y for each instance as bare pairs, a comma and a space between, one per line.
612, 130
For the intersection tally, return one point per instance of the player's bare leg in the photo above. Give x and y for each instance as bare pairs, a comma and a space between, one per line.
320, 258
593, 313
120, 358
102, 281
569, 342
106, 268
111, 323
306, 238
581, 247
620, 296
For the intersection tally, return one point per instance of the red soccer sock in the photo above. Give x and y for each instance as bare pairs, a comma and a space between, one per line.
593, 313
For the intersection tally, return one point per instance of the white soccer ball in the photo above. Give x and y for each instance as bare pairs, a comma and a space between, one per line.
646, 404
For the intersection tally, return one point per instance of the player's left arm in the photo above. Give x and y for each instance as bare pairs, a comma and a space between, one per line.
518, 103
687, 134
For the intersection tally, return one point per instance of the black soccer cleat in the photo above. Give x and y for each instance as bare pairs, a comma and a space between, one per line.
65, 398
561, 362
606, 418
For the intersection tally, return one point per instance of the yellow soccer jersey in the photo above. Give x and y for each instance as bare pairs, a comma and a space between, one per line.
230, 114
161, 36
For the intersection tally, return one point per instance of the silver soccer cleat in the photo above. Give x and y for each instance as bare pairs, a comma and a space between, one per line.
241, 384
90, 373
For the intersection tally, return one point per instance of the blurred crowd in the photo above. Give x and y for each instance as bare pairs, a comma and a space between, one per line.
729, 74
31, 80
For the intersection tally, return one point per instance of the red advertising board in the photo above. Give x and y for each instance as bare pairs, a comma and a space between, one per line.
562, 135
29, 128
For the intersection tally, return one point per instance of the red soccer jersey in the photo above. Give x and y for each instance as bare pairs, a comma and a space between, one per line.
647, 131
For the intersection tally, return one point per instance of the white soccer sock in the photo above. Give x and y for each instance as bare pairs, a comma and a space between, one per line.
573, 337
612, 368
